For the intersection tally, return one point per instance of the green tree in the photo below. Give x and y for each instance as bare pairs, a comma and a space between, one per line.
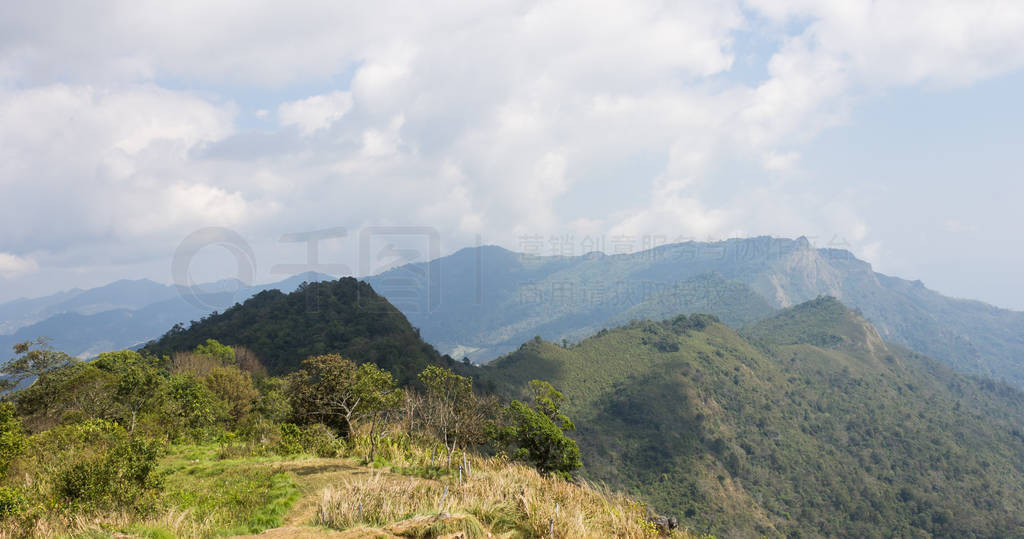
234, 388
139, 380
214, 349
69, 394
336, 392
188, 405
453, 412
32, 360
537, 434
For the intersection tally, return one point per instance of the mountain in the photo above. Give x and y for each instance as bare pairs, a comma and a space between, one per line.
123, 294
807, 423
483, 302
487, 300
125, 314
344, 316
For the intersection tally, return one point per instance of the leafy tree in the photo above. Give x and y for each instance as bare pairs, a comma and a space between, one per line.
214, 349
234, 388
335, 391
537, 434
73, 393
272, 404
188, 405
457, 416
32, 360
139, 380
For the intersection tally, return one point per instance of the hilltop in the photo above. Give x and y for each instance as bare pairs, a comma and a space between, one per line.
809, 425
344, 316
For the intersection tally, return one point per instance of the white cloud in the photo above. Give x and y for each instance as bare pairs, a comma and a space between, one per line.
896, 43
316, 112
15, 266
780, 162
493, 118
85, 165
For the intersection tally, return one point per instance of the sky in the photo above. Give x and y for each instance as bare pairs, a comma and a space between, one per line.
204, 140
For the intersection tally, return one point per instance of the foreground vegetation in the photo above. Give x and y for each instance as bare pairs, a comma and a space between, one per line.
206, 443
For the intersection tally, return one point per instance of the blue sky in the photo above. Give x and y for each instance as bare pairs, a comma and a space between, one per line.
890, 127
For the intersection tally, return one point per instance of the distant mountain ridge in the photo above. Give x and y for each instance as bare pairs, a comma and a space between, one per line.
483, 302
488, 299
123, 314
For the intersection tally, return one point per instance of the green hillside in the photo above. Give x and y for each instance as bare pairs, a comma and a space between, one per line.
810, 426
344, 316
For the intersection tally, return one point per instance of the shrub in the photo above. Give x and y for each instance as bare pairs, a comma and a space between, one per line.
13, 503
117, 480
12, 436
537, 434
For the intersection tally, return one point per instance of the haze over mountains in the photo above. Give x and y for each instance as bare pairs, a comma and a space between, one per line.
486, 301
489, 300
122, 314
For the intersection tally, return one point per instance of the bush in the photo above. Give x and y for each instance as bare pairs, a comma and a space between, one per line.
93, 464
319, 440
12, 437
118, 480
291, 440
537, 435
13, 503
316, 439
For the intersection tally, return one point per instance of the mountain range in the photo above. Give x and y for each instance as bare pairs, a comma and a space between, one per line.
485, 301
123, 314
757, 414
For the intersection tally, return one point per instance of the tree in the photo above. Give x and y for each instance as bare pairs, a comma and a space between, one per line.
335, 391
138, 385
189, 404
32, 360
73, 393
235, 388
214, 349
537, 434
453, 411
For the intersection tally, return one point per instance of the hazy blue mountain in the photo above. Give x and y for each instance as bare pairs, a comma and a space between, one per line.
127, 314
485, 301
25, 311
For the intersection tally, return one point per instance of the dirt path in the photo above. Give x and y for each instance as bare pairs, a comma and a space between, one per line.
313, 475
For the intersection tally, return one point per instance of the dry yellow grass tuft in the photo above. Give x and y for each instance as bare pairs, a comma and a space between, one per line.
499, 497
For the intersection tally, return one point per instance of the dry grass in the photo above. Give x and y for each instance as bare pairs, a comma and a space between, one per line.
499, 497
170, 524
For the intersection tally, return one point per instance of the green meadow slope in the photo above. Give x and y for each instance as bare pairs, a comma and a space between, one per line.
807, 423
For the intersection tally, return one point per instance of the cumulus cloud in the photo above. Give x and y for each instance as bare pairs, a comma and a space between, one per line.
491, 118
83, 164
14, 266
315, 112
